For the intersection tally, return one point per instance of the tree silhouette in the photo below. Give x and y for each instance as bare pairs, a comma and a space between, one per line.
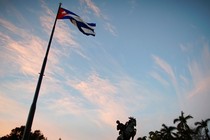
182, 121
203, 126
17, 134
184, 130
142, 138
155, 135
167, 132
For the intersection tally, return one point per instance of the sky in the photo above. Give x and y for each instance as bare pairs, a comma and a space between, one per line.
149, 59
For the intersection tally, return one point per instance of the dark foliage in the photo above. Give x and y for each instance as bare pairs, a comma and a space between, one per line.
17, 134
182, 131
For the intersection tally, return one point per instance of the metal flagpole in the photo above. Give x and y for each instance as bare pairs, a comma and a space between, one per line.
29, 122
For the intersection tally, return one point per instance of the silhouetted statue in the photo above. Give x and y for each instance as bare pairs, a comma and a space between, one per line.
120, 127
127, 130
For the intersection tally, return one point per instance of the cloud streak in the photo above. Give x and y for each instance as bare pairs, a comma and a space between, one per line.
100, 93
108, 26
192, 88
21, 58
26, 53
156, 76
13, 29
165, 67
200, 73
93, 7
162, 64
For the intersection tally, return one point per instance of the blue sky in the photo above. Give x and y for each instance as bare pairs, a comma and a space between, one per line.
149, 60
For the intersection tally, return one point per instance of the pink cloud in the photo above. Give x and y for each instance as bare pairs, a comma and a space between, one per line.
101, 92
156, 76
200, 73
14, 29
167, 69
93, 7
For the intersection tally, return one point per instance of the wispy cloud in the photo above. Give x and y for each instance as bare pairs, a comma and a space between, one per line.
166, 68
67, 105
21, 57
26, 56
156, 76
13, 29
133, 4
186, 48
100, 92
23, 54
93, 7
184, 80
26, 53
200, 72
111, 28
97, 11
192, 85
23, 61
196, 94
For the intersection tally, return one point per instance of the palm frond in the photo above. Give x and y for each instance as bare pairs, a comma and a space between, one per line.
198, 123
188, 117
207, 120
176, 120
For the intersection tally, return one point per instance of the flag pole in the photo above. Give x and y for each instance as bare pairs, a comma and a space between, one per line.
29, 122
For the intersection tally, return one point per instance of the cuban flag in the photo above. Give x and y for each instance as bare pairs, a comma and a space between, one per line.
85, 28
